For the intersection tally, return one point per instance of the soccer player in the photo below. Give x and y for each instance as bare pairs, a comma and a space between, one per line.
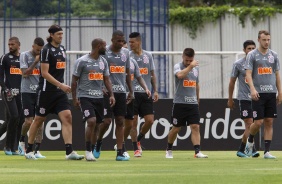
143, 106
10, 81
119, 66
262, 73
185, 111
52, 93
90, 71
29, 64
244, 96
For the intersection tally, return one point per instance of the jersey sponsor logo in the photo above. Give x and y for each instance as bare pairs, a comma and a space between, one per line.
33, 87
117, 69
189, 83
145, 59
35, 71
118, 88
264, 70
53, 49
189, 99
270, 59
61, 65
93, 92
15, 91
132, 77
138, 88
266, 88
144, 71
95, 76
15, 71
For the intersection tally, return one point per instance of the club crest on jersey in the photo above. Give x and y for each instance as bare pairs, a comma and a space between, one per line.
270, 59
101, 65
42, 110
132, 66
145, 59
26, 112
195, 72
245, 113
123, 57
86, 113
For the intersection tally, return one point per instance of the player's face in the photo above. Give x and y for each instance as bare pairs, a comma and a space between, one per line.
249, 48
117, 41
134, 43
57, 37
187, 60
264, 41
14, 46
102, 48
36, 49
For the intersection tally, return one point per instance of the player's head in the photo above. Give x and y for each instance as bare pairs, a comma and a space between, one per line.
188, 56
117, 39
38, 43
14, 45
248, 46
264, 39
56, 34
134, 40
99, 45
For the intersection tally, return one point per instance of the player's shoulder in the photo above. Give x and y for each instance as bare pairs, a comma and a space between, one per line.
83, 59
273, 53
178, 65
147, 53
240, 61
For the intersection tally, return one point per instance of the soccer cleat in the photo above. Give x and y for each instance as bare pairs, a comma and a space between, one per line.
7, 151
249, 148
200, 155
168, 154
137, 153
38, 155
30, 156
89, 156
126, 154
241, 154
15, 153
139, 147
255, 154
96, 154
74, 156
122, 158
267, 155
21, 148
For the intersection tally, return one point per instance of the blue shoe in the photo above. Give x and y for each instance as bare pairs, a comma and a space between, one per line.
38, 155
96, 154
122, 158
7, 151
21, 148
241, 154
255, 154
15, 153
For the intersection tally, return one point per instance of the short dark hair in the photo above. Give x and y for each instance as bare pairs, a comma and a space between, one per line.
38, 41
96, 42
16, 39
189, 52
248, 42
117, 33
263, 32
134, 35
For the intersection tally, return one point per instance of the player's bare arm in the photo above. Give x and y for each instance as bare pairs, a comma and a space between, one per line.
154, 85
230, 102
75, 101
278, 86
108, 85
254, 93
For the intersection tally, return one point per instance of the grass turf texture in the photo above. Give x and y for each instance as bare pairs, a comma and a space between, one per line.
153, 167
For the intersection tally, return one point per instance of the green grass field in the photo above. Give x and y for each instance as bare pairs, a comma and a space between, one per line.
153, 167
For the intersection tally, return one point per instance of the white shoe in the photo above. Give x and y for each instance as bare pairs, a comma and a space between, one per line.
126, 154
249, 148
89, 156
168, 154
30, 156
267, 155
74, 156
38, 155
21, 148
200, 155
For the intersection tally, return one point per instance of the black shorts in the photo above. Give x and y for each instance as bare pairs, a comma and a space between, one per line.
130, 110
92, 107
246, 110
143, 105
28, 104
265, 107
185, 114
119, 109
51, 102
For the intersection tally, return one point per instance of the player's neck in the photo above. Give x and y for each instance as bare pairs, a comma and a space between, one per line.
263, 50
114, 50
138, 51
94, 55
54, 44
